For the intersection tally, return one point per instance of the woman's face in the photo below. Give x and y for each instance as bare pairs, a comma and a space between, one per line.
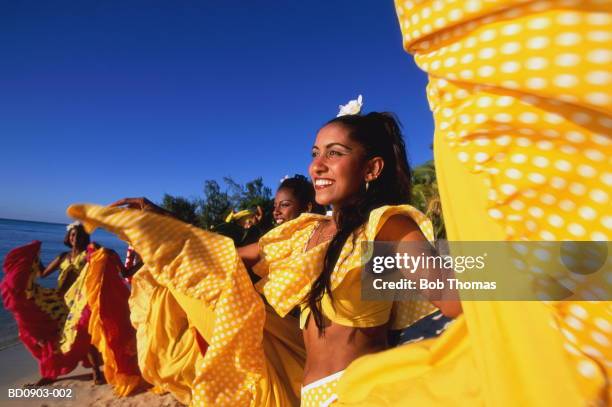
286, 206
338, 166
72, 237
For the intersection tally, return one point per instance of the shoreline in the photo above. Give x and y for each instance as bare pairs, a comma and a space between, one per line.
34, 221
9, 333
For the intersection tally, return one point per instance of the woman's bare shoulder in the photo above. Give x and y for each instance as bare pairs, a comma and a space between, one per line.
400, 228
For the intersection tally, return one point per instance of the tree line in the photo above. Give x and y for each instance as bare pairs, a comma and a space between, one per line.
210, 211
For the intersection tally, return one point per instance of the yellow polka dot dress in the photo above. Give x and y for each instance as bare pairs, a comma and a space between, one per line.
167, 340
203, 269
521, 97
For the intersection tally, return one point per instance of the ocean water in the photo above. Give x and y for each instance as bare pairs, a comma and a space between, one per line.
15, 233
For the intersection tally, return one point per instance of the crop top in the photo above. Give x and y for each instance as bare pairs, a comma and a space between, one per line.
70, 266
288, 271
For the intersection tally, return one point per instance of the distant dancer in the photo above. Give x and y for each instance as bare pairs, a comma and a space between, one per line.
41, 313
295, 196
72, 262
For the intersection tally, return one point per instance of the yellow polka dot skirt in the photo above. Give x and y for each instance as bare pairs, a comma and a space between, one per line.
320, 393
522, 101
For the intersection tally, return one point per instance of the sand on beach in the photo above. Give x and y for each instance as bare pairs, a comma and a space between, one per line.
18, 368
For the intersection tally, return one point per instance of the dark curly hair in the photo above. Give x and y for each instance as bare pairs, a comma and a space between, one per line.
82, 236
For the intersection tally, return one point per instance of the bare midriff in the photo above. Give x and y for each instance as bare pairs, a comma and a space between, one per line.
334, 351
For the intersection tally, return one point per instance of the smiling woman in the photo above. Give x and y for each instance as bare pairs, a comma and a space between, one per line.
523, 122
294, 196
359, 164
359, 167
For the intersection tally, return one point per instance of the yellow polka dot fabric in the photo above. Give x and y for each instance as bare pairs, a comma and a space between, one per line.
168, 352
201, 266
254, 356
71, 266
521, 92
289, 271
521, 97
122, 382
320, 393
76, 301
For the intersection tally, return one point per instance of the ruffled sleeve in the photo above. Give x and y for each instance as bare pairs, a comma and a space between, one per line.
379, 216
351, 254
287, 270
348, 309
282, 241
403, 313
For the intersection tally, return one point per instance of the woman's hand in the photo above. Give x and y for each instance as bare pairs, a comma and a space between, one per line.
142, 204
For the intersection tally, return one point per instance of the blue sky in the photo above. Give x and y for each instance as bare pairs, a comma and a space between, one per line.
101, 100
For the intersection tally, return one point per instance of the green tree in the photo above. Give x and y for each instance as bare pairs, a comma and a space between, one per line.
183, 208
425, 196
257, 194
215, 206
253, 193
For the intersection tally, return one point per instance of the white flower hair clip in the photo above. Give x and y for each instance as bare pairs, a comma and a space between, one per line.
74, 224
352, 107
284, 178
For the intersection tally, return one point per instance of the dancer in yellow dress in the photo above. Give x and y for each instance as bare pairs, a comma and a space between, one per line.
520, 92
100, 296
40, 313
359, 167
70, 263
174, 330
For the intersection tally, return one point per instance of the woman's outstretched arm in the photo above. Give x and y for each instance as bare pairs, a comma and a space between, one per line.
142, 203
249, 254
54, 265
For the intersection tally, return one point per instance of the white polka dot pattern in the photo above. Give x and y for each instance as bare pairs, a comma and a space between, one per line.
289, 270
203, 266
320, 394
521, 93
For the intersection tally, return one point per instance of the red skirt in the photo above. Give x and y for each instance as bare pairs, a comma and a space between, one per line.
40, 314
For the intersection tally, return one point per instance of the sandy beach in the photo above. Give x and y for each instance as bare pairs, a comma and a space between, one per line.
19, 368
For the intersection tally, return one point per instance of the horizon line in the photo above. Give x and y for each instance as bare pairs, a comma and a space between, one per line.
35, 221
